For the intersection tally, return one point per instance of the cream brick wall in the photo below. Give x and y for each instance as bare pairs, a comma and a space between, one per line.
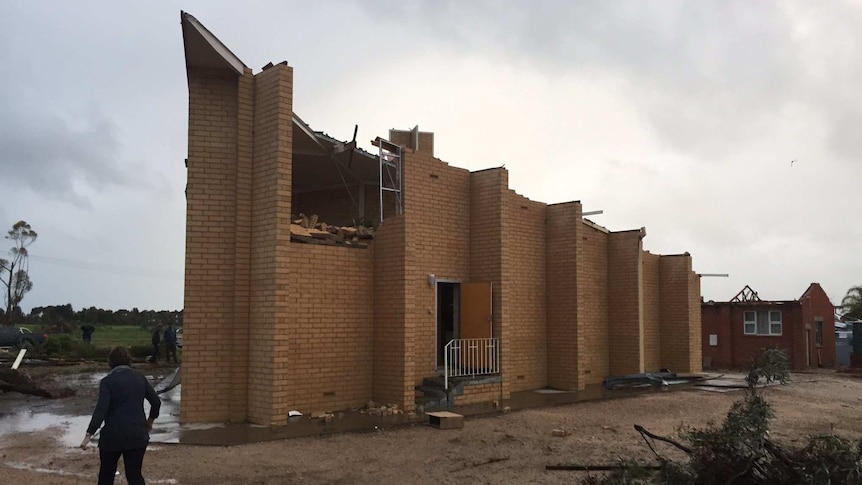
332, 291
479, 393
211, 247
487, 245
270, 326
592, 297
680, 314
564, 339
333, 327
652, 312
392, 380
625, 301
524, 285
437, 214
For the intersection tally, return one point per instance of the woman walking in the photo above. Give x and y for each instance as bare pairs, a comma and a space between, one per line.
121, 407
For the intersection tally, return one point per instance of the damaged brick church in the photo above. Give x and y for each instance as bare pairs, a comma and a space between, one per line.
420, 271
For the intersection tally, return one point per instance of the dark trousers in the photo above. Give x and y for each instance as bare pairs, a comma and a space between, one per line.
170, 349
155, 353
132, 461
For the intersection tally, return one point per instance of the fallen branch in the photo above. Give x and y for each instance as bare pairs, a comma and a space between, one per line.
495, 459
640, 429
599, 468
491, 460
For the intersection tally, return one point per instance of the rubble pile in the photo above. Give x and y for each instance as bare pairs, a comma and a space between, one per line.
308, 230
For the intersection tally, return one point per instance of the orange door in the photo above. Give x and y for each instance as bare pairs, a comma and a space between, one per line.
476, 323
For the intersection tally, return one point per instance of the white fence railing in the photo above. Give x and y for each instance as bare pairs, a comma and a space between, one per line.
471, 357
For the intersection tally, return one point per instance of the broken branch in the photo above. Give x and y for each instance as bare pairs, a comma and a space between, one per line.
640, 429
599, 468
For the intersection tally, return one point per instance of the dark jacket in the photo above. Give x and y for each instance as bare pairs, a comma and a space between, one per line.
170, 335
121, 407
156, 336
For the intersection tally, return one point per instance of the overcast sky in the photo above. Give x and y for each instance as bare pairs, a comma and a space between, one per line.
679, 116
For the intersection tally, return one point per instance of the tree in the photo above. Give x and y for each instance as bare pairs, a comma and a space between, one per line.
852, 303
14, 273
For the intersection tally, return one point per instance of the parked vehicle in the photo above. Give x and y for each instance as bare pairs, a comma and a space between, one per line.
180, 338
20, 337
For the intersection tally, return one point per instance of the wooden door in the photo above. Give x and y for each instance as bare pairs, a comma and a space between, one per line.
476, 323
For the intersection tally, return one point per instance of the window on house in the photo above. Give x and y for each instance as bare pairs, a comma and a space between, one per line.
818, 333
762, 322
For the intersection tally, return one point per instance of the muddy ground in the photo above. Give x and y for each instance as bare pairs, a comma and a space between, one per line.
504, 448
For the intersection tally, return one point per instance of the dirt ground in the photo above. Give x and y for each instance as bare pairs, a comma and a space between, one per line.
508, 448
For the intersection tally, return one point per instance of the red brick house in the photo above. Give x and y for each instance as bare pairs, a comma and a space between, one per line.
464, 277
735, 332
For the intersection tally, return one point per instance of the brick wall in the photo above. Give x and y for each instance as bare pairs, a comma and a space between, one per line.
478, 393
404, 138
331, 308
487, 245
651, 312
817, 307
695, 356
592, 297
625, 302
211, 211
268, 389
798, 337
679, 322
735, 350
437, 214
245, 154
524, 284
561, 266
392, 367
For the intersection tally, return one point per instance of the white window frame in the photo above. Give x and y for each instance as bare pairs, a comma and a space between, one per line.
774, 319
746, 323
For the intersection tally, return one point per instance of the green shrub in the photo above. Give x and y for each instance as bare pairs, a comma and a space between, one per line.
64, 345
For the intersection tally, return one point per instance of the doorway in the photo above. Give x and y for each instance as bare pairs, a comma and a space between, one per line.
448, 315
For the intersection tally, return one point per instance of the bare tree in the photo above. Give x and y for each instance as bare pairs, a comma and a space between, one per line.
14, 272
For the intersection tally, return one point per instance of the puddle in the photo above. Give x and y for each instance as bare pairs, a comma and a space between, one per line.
71, 428
34, 416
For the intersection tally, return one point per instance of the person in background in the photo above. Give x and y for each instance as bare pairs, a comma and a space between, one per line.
87, 333
171, 343
121, 408
157, 335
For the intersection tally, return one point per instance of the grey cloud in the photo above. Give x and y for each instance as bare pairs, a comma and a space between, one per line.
708, 75
53, 157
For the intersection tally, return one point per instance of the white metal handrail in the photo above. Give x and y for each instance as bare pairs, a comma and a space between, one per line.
471, 357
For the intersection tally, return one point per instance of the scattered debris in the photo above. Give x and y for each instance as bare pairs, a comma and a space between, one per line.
293, 414
373, 409
12, 380
507, 409
559, 433
170, 381
445, 420
19, 359
307, 230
